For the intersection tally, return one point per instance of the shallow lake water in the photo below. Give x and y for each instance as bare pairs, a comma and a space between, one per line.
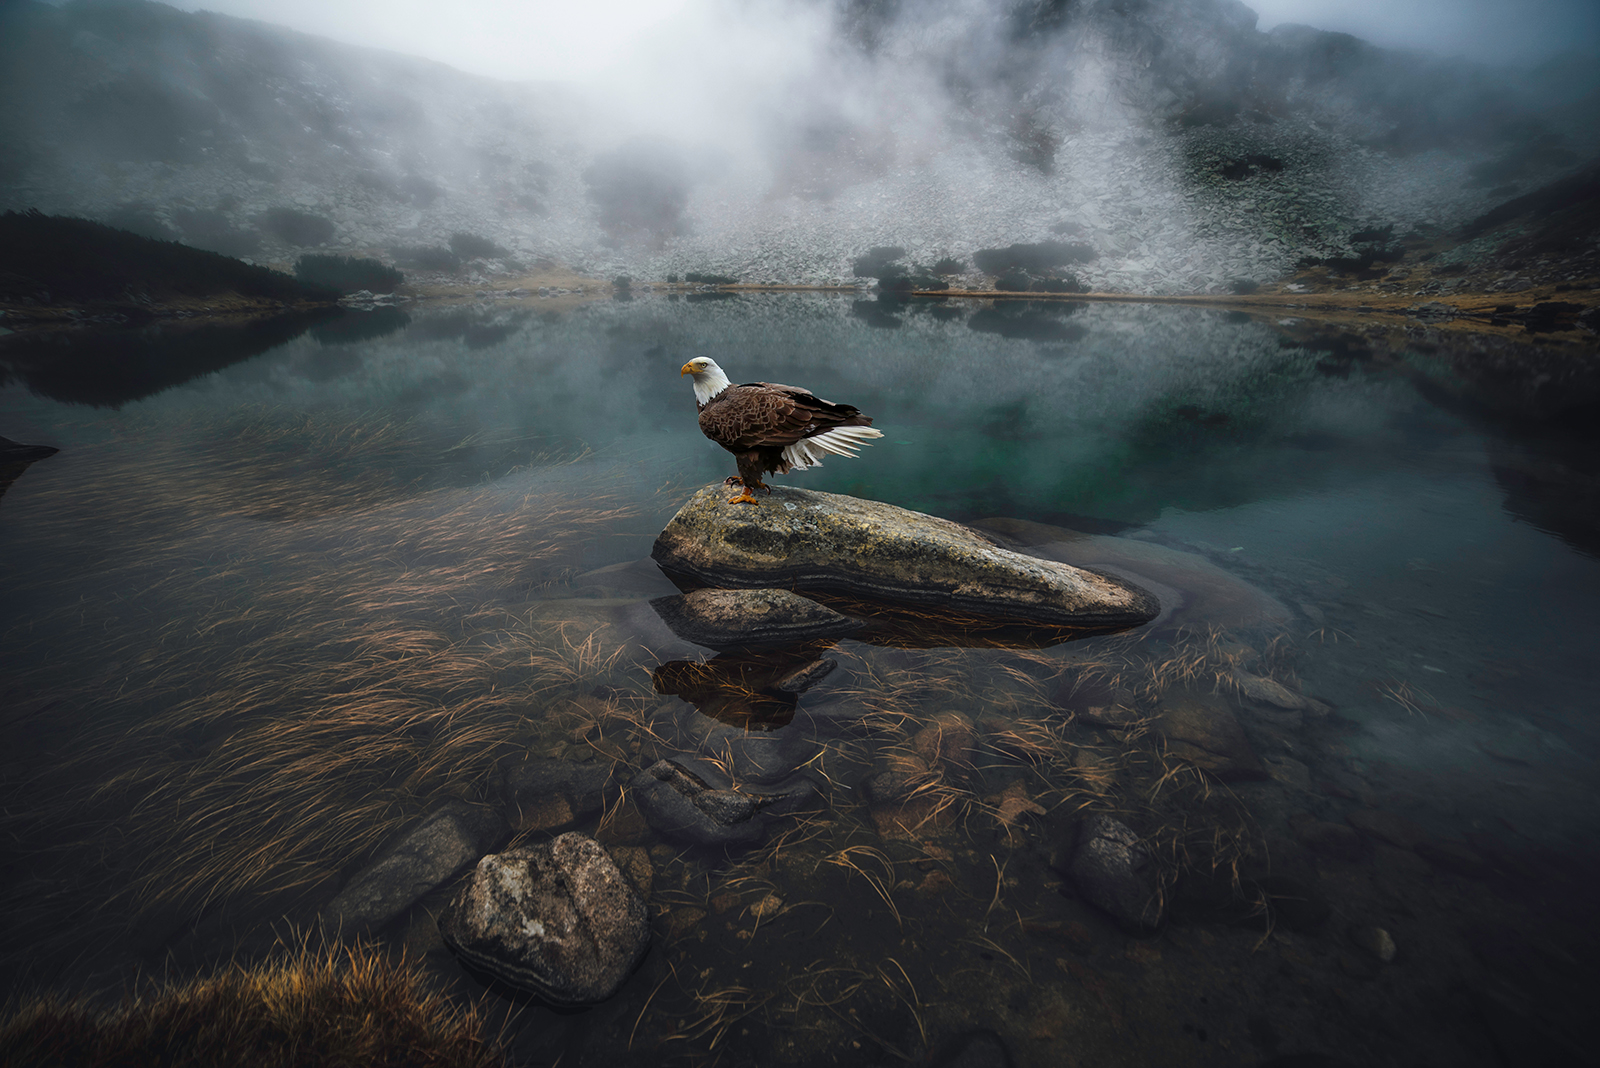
264, 618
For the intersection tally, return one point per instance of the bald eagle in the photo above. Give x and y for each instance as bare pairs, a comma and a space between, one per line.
772, 427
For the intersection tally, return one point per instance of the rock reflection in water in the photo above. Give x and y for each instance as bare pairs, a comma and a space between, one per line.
754, 690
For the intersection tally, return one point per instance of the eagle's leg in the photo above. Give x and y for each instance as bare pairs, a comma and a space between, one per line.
749, 479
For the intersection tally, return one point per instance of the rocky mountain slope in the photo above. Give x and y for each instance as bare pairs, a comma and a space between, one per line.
1170, 143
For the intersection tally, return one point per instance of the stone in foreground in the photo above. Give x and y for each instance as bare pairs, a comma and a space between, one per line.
558, 920
750, 619
808, 541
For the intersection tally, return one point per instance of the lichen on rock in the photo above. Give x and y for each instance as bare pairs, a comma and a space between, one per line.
558, 919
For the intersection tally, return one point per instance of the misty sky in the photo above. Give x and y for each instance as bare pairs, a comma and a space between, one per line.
546, 39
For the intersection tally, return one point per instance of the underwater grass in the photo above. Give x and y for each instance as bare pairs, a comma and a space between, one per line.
307, 1004
279, 697
1189, 821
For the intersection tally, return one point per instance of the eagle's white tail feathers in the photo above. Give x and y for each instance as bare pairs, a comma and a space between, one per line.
840, 441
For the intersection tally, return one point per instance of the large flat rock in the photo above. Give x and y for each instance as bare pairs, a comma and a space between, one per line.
823, 542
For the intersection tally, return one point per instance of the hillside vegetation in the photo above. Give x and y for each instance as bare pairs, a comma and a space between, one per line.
51, 259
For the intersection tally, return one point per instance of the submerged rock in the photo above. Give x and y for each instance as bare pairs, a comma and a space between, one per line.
452, 837
1268, 691
804, 540
1374, 940
558, 920
1329, 839
902, 775
1201, 729
948, 740
805, 676
760, 757
1114, 871
750, 619
973, 1049
691, 801
545, 794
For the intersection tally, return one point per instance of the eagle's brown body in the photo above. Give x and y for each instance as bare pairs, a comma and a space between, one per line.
771, 427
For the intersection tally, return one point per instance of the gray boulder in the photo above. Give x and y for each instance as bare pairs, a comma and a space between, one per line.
558, 920
1114, 871
449, 839
750, 619
803, 540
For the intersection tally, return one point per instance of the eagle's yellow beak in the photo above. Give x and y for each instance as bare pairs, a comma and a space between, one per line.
687, 369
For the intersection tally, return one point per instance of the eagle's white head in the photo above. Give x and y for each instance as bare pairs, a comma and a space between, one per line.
709, 379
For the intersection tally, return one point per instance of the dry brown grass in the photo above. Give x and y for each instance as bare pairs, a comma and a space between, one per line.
308, 1004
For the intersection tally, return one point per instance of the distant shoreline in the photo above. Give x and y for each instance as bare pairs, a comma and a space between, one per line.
1466, 311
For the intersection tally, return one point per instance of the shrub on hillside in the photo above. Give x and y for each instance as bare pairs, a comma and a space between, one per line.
211, 230
347, 274
75, 260
473, 247
294, 227
426, 258
1036, 257
877, 262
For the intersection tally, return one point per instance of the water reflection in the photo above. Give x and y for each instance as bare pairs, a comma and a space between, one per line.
356, 325
109, 369
1040, 320
753, 690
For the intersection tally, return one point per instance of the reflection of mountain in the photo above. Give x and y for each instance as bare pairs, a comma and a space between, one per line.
111, 368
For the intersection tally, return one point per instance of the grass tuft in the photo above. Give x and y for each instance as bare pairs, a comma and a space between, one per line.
306, 1005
